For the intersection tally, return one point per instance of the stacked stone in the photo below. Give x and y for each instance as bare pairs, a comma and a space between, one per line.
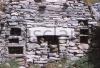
49, 18
3, 50
37, 53
28, 14
80, 11
16, 28
63, 46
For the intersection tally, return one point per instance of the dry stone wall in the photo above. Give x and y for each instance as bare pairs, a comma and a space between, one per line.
23, 16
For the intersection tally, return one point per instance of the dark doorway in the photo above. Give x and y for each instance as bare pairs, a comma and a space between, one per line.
15, 31
53, 42
15, 50
51, 39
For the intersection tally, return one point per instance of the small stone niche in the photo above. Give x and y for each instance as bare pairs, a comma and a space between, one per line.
15, 31
38, 1
84, 39
83, 22
42, 9
1, 25
65, 6
14, 40
84, 31
15, 50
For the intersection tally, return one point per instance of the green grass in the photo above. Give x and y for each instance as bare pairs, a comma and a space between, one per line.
59, 64
95, 1
3, 66
12, 64
82, 63
34, 66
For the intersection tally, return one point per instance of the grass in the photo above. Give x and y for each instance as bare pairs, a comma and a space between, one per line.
9, 64
34, 66
91, 1
14, 64
59, 64
81, 63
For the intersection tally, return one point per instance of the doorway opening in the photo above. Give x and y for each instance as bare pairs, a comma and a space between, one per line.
52, 41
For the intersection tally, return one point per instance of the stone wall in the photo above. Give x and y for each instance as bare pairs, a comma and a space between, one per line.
21, 16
